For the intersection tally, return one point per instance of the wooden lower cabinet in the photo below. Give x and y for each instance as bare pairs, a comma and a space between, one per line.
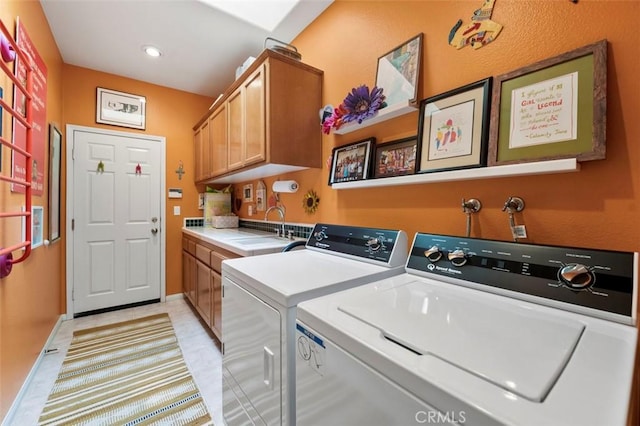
202, 280
204, 296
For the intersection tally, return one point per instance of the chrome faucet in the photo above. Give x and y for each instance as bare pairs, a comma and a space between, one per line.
280, 211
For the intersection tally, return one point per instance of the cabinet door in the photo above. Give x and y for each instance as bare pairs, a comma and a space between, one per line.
216, 315
205, 151
186, 273
218, 141
255, 116
204, 296
197, 155
189, 277
235, 118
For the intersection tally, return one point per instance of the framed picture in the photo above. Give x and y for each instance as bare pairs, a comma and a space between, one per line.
453, 128
398, 72
351, 162
55, 147
247, 193
120, 109
396, 158
552, 109
37, 226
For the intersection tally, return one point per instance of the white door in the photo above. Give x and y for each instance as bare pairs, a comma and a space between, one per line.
115, 219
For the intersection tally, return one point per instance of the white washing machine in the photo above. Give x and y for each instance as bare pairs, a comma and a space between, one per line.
259, 301
475, 332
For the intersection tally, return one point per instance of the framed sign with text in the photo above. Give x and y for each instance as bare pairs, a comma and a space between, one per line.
552, 109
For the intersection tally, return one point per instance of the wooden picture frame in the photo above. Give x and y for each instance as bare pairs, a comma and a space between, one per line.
120, 109
453, 128
553, 109
396, 158
398, 72
247, 193
55, 156
351, 162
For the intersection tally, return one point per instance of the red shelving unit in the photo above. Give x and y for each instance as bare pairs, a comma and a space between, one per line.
9, 52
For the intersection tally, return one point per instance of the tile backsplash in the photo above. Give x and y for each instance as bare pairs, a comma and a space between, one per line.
300, 230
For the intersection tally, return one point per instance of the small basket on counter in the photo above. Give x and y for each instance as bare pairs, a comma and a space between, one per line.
230, 221
217, 210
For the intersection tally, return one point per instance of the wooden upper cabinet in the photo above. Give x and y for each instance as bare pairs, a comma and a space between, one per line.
235, 135
201, 152
271, 119
197, 146
255, 116
218, 141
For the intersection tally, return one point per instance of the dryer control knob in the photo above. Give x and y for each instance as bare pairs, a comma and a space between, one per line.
457, 257
576, 276
433, 254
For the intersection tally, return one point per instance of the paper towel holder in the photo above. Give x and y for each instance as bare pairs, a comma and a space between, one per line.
285, 186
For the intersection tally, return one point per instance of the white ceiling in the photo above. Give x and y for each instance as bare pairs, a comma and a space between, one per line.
202, 45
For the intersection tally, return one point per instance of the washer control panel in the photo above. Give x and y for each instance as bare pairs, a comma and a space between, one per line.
595, 279
383, 246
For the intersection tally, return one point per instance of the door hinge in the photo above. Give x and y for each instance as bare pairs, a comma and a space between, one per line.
73, 294
73, 224
222, 348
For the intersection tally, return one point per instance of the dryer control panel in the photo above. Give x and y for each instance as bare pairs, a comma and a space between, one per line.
383, 246
586, 278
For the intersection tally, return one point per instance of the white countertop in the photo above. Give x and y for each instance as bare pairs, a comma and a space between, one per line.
242, 241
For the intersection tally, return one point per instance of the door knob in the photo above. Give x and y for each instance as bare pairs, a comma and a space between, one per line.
154, 231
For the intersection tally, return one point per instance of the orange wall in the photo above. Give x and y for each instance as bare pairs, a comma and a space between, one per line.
30, 295
170, 113
596, 207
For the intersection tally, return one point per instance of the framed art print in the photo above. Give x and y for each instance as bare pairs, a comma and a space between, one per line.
55, 151
396, 158
351, 162
120, 109
398, 72
453, 128
555, 108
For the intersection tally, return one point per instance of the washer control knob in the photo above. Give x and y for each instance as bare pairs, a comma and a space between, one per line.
576, 276
433, 254
457, 257
375, 244
319, 236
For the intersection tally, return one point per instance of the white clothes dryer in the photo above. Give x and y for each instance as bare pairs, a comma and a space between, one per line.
260, 295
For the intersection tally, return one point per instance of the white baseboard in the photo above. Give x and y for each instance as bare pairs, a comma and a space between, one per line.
178, 296
25, 385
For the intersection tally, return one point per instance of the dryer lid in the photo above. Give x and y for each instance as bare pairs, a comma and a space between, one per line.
495, 339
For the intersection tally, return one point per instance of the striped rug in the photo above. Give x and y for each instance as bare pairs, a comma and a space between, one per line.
129, 373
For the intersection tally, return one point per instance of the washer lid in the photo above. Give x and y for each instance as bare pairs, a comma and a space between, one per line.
508, 345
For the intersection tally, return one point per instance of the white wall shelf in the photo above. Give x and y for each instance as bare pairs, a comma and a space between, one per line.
522, 169
384, 114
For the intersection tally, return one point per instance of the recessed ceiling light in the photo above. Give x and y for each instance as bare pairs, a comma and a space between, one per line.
152, 51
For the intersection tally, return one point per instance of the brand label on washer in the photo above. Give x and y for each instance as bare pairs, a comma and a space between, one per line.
311, 349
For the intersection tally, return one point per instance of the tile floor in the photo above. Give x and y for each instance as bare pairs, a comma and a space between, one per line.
201, 353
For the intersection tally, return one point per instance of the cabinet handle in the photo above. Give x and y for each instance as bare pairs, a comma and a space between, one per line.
268, 367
